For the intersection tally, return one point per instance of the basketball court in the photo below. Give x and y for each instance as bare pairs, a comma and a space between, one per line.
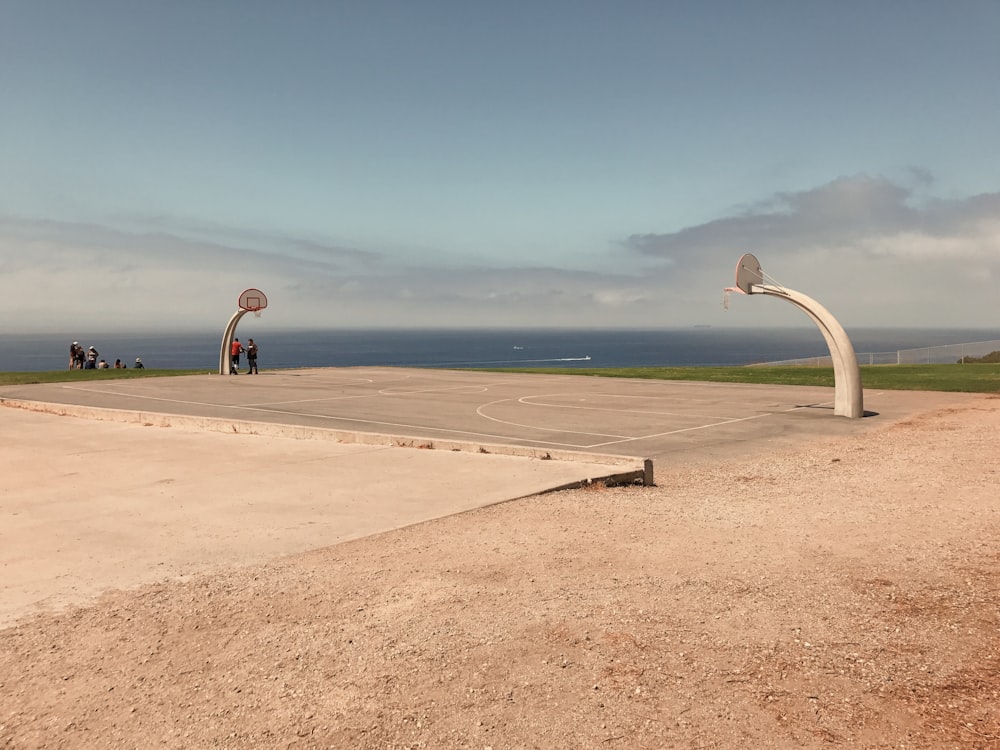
549, 416
552, 416
542, 416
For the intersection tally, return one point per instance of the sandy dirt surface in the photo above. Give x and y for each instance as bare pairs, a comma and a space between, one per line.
89, 505
845, 593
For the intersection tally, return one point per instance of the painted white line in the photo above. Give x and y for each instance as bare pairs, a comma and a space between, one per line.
306, 400
707, 426
444, 430
437, 389
479, 411
349, 381
252, 405
524, 400
140, 396
529, 400
324, 417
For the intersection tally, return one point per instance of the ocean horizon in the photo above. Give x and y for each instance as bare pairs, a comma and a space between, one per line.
470, 348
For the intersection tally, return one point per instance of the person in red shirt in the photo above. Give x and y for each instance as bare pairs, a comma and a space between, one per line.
235, 351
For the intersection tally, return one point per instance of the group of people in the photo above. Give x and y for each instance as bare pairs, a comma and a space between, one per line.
234, 357
89, 359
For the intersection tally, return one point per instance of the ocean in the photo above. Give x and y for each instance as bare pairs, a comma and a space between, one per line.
464, 348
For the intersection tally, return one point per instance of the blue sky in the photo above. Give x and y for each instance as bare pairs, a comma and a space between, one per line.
497, 164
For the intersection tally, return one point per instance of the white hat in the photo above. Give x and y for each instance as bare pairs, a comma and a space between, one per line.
76, 343
138, 359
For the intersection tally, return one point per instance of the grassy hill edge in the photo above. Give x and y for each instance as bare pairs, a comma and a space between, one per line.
958, 378
74, 376
968, 378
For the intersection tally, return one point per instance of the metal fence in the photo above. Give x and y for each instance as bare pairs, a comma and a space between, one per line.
947, 354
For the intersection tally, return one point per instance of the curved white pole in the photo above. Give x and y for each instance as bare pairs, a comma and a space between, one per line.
225, 365
848, 399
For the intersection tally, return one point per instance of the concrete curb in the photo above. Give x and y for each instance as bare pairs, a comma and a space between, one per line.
298, 432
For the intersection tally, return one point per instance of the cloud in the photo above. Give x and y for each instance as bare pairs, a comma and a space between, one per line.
286, 244
874, 252
477, 296
867, 246
36, 243
64, 274
861, 212
59, 273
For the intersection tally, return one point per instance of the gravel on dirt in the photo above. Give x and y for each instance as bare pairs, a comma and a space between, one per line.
845, 593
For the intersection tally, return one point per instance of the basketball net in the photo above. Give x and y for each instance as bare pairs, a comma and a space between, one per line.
725, 295
256, 313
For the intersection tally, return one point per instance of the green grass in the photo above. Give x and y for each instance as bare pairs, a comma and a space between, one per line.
973, 378
76, 376
960, 378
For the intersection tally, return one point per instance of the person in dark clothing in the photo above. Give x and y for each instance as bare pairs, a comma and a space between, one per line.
251, 350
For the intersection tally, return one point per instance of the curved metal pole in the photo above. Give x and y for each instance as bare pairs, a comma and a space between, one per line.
848, 399
225, 367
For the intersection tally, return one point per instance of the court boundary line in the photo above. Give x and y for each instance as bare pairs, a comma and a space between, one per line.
447, 433
619, 439
283, 430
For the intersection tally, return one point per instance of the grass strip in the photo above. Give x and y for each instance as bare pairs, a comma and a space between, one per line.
977, 378
77, 376
967, 378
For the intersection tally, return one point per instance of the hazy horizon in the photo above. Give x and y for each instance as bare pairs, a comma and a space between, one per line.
205, 330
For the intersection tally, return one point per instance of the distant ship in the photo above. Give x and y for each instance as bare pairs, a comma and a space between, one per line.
518, 347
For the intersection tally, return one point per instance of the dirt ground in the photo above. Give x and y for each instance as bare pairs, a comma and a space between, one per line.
843, 594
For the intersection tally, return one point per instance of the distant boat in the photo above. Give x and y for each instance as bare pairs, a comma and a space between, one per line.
518, 347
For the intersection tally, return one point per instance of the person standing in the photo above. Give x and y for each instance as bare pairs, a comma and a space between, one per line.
234, 357
73, 356
251, 357
92, 355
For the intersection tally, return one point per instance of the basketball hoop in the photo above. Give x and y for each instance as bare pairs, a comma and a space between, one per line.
250, 300
253, 300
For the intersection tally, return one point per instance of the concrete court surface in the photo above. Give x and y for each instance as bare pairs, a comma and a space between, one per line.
521, 414
110, 484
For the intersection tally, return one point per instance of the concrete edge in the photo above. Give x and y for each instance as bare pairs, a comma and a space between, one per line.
300, 432
643, 476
